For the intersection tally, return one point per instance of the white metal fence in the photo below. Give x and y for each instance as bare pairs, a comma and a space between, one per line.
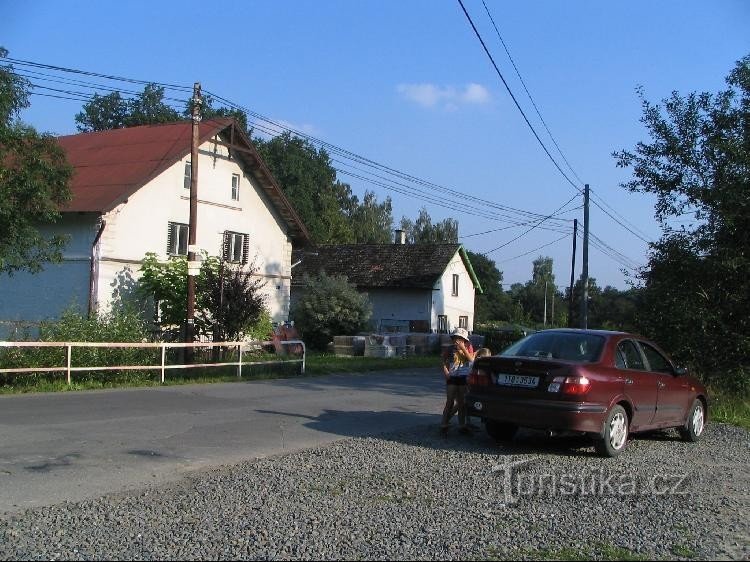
163, 367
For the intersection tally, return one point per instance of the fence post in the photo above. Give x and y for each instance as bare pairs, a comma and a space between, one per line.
304, 353
239, 364
69, 353
163, 358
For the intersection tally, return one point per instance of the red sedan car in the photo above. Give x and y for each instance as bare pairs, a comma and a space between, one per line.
607, 384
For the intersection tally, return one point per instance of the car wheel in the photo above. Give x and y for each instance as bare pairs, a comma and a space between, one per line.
615, 435
501, 431
696, 421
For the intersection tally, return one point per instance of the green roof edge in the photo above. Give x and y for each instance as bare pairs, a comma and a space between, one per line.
467, 263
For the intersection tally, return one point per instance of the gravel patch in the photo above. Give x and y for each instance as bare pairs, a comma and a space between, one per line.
417, 495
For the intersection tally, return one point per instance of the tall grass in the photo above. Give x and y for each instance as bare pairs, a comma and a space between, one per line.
728, 408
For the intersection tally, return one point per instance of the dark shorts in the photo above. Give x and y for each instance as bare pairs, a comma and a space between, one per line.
459, 381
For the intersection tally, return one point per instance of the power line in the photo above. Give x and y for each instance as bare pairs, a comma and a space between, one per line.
515, 101
536, 249
272, 127
518, 73
618, 221
530, 229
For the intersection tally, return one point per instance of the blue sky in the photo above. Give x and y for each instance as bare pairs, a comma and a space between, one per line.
407, 84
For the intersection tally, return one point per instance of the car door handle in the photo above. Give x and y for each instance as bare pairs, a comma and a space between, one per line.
628, 381
660, 384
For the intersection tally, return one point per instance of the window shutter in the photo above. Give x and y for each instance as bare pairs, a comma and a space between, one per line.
170, 237
225, 246
245, 248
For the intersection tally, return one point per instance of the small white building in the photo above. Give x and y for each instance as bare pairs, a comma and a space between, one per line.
131, 195
412, 287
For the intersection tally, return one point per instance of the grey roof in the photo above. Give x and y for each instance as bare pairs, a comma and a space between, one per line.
403, 266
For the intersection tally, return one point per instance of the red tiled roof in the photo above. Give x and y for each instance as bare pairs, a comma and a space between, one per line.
109, 166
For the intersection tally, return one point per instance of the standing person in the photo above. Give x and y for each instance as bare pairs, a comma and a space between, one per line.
456, 370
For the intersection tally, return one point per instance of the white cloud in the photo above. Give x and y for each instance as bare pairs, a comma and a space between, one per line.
446, 97
476, 93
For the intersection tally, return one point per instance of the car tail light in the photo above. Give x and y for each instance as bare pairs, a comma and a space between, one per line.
479, 378
575, 386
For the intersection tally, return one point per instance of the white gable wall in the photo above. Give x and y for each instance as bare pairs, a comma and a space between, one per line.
445, 303
140, 225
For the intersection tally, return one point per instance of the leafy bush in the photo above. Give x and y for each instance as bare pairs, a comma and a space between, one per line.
228, 299
497, 340
118, 326
330, 306
262, 330
232, 301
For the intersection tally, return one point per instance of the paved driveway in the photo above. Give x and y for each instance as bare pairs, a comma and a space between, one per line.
72, 446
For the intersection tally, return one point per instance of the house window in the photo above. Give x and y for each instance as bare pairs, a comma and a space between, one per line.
455, 284
463, 322
236, 247
235, 187
177, 239
442, 324
188, 175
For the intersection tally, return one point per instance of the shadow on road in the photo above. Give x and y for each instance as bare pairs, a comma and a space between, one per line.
423, 430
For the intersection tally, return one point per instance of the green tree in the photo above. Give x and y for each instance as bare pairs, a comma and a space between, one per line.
149, 108
309, 181
34, 182
233, 300
371, 222
696, 286
423, 231
228, 300
103, 113
542, 271
537, 296
330, 306
493, 305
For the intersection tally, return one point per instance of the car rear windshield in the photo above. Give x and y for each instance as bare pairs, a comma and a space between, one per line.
583, 348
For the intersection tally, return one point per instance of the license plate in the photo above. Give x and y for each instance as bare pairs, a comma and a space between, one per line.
517, 380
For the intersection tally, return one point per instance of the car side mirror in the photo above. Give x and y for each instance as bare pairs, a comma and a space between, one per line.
680, 371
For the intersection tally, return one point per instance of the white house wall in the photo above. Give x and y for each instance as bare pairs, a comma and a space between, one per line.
392, 307
445, 303
140, 225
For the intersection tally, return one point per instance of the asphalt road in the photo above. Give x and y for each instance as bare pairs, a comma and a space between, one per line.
78, 445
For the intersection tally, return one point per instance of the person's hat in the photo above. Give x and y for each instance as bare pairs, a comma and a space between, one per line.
460, 333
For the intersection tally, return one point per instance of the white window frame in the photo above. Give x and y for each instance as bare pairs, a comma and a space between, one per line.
235, 247
455, 285
463, 322
187, 179
177, 238
235, 187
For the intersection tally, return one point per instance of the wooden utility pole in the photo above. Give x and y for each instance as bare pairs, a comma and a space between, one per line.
585, 271
193, 264
572, 274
